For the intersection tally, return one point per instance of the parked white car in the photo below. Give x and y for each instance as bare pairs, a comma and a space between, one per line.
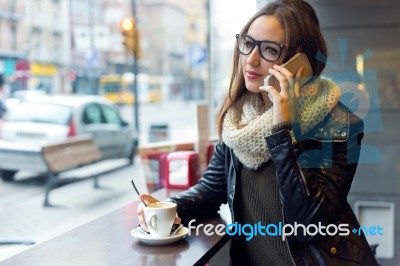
33, 123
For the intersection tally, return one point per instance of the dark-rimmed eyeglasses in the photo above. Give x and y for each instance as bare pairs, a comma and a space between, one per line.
270, 51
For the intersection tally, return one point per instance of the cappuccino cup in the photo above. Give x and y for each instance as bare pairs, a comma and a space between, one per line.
160, 217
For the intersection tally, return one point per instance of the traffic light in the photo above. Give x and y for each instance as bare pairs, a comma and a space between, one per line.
128, 29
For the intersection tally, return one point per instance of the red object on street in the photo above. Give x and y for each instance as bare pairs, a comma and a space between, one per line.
182, 169
157, 162
22, 70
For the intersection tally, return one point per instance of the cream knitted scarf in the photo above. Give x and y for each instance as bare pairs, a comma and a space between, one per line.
316, 100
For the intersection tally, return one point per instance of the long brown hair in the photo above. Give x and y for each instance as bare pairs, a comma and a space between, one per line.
303, 33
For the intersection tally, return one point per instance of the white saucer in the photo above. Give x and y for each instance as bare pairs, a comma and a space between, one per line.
147, 239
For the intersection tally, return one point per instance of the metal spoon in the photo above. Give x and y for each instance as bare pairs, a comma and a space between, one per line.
137, 191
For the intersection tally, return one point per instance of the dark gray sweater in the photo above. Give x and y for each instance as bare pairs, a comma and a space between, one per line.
257, 200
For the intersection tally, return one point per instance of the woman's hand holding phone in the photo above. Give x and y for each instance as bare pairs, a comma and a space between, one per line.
284, 101
283, 86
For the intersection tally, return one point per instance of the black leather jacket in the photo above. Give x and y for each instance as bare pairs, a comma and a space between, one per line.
314, 175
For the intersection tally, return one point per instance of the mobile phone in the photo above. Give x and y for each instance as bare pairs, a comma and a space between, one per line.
293, 64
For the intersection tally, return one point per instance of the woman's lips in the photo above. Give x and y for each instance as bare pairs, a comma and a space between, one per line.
252, 75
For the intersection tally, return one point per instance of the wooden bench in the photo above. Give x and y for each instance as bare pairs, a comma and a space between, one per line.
74, 153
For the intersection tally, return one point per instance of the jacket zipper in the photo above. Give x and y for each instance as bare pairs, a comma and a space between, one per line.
286, 241
233, 198
304, 180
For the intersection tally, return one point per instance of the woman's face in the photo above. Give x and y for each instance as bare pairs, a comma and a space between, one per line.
255, 68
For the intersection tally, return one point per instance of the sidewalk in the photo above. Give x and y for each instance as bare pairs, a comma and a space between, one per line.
24, 218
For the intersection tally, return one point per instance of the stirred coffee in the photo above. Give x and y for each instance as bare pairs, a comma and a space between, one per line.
160, 205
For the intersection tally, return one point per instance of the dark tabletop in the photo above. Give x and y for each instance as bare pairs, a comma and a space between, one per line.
107, 241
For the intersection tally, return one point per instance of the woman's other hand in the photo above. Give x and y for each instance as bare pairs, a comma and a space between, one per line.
148, 198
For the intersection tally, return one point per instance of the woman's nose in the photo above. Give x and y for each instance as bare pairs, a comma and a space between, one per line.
254, 57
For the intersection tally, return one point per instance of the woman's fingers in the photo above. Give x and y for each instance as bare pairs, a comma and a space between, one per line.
285, 72
140, 215
147, 197
299, 75
289, 83
271, 91
284, 76
177, 220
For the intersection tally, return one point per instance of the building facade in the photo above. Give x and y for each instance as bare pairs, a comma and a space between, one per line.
89, 44
45, 40
174, 46
12, 52
65, 46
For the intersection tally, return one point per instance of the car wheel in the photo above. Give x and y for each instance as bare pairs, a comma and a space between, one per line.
7, 175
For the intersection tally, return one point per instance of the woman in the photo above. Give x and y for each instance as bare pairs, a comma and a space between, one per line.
289, 157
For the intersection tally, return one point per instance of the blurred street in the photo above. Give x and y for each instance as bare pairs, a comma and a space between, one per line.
22, 214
